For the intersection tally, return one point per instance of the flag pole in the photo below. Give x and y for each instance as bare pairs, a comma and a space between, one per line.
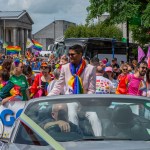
4, 37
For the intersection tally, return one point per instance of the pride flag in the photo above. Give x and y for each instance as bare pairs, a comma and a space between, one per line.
141, 54
148, 57
37, 46
13, 50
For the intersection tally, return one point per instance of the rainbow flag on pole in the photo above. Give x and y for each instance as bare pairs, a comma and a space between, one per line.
148, 57
13, 50
37, 46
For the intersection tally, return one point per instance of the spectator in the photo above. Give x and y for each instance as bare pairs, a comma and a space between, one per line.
147, 92
4, 77
103, 85
122, 79
41, 81
7, 64
27, 71
17, 85
52, 83
114, 83
135, 82
94, 61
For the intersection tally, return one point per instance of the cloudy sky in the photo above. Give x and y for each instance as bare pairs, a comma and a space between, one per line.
43, 12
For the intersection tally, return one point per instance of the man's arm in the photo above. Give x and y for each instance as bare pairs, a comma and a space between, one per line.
5, 92
64, 126
92, 82
59, 85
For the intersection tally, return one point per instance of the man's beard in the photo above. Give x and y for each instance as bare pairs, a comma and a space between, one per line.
142, 73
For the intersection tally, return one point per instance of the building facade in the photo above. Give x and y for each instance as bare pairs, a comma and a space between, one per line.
122, 26
15, 28
51, 32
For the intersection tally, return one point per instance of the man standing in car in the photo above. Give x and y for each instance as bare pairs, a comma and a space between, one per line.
77, 76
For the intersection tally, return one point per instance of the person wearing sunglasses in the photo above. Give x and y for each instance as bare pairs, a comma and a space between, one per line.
77, 76
122, 87
135, 82
41, 81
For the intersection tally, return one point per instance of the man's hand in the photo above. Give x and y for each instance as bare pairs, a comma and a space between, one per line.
64, 126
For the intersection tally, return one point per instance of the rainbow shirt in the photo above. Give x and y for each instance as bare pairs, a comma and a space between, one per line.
103, 85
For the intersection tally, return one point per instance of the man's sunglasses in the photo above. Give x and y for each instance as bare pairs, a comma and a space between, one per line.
71, 54
144, 68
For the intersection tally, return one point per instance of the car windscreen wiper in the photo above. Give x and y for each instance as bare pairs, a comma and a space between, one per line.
101, 138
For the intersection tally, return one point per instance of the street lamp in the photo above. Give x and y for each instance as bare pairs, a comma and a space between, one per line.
113, 47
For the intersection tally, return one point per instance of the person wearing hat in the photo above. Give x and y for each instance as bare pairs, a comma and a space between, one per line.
42, 80
110, 76
103, 85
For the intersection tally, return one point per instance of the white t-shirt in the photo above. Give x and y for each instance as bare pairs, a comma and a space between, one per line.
103, 85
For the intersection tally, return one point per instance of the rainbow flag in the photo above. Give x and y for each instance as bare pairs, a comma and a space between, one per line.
37, 46
148, 57
13, 50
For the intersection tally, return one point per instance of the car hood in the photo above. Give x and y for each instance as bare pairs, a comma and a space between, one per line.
88, 145
107, 145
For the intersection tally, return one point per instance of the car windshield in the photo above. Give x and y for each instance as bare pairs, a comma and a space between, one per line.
89, 118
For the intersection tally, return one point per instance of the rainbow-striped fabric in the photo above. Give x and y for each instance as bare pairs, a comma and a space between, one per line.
75, 81
37, 46
2, 84
13, 50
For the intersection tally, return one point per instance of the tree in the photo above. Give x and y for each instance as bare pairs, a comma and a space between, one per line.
137, 12
94, 30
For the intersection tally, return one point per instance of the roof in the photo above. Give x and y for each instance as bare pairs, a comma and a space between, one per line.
13, 14
53, 23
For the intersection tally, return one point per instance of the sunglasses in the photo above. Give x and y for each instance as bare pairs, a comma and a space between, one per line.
44, 68
100, 71
71, 54
124, 69
144, 68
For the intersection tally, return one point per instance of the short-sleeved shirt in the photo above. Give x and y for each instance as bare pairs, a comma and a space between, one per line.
103, 85
135, 85
20, 81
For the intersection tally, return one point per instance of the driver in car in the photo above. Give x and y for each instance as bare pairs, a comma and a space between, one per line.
60, 119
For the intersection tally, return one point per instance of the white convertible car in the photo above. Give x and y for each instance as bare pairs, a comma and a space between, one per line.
77, 122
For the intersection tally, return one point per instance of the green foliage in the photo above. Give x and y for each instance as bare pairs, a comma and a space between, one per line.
97, 30
140, 34
137, 12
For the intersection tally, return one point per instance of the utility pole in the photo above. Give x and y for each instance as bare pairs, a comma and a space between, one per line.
54, 30
127, 44
113, 47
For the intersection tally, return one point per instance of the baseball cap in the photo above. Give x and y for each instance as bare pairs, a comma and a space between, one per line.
108, 69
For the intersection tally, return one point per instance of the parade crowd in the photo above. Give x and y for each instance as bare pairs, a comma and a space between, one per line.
70, 74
